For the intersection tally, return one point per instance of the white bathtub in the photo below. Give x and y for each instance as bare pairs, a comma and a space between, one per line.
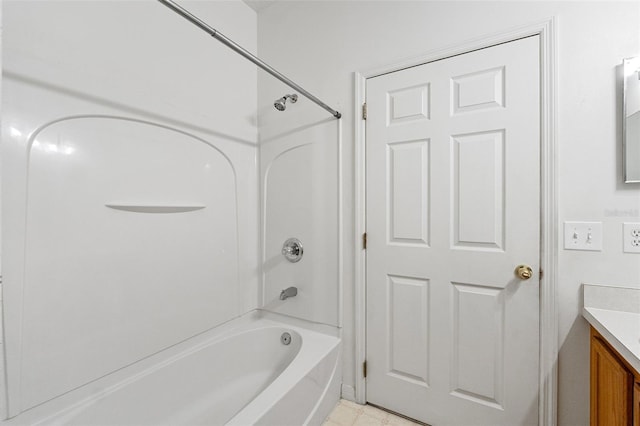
240, 374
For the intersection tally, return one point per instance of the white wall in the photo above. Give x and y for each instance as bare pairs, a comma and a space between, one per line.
321, 44
141, 61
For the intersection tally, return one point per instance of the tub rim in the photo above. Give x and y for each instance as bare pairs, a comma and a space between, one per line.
58, 408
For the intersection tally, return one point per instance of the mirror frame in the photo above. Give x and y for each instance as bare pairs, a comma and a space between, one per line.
630, 67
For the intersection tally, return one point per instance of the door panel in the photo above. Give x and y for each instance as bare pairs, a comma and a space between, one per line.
406, 292
408, 179
611, 385
452, 209
478, 192
477, 369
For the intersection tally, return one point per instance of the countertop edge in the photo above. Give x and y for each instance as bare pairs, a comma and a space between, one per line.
632, 359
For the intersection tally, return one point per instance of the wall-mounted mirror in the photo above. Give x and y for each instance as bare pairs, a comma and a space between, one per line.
631, 120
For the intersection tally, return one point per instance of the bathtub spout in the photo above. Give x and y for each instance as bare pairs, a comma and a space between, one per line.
288, 292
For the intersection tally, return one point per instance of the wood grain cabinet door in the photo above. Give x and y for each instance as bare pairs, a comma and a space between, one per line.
611, 387
636, 403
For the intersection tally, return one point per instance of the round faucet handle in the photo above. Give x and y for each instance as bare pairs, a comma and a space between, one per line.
292, 250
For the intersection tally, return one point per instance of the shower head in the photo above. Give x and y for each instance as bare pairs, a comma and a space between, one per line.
280, 103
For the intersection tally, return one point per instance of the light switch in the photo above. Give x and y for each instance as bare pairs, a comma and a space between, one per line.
583, 236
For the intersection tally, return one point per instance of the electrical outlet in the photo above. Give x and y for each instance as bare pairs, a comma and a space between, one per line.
583, 236
631, 237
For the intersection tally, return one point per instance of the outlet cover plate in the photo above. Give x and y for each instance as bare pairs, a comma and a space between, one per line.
583, 236
631, 237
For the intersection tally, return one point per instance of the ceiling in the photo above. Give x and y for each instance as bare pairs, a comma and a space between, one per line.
259, 5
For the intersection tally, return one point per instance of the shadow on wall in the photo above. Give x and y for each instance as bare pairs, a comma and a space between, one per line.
295, 130
125, 108
573, 359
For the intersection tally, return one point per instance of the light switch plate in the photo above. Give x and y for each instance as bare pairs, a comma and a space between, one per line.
631, 237
583, 236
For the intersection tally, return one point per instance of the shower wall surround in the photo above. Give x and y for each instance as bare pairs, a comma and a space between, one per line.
299, 157
130, 188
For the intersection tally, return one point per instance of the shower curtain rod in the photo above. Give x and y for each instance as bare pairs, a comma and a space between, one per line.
242, 51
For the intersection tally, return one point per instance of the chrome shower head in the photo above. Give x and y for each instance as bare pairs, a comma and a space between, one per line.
280, 103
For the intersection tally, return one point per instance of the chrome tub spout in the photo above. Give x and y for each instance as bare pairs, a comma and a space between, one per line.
288, 292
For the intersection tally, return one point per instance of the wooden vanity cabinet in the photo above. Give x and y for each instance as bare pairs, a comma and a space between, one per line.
636, 402
615, 386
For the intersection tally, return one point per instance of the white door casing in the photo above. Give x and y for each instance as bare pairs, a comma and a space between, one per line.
453, 193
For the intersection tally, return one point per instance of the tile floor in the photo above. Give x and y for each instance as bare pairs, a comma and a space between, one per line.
349, 413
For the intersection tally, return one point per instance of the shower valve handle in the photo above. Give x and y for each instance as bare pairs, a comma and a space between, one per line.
292, 250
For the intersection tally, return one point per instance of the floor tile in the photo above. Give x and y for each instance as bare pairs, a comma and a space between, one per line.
376, 412
348, 413
353, 405
400, 421
344, 415
366, 420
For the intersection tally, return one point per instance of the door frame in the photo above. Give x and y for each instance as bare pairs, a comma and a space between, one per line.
548, 352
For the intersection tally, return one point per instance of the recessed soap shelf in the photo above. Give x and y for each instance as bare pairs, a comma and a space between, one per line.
138, 208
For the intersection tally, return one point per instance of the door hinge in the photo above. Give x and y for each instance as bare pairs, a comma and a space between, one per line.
364, 241
364, 111
364, 369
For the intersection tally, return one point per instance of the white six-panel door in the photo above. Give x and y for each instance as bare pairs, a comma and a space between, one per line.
453, 171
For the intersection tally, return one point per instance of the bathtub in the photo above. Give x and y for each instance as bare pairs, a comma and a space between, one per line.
239, 374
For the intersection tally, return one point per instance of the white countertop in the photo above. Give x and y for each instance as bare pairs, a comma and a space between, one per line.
615, 313
620, 329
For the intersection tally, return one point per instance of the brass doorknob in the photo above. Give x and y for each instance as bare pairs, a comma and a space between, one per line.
524, 272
